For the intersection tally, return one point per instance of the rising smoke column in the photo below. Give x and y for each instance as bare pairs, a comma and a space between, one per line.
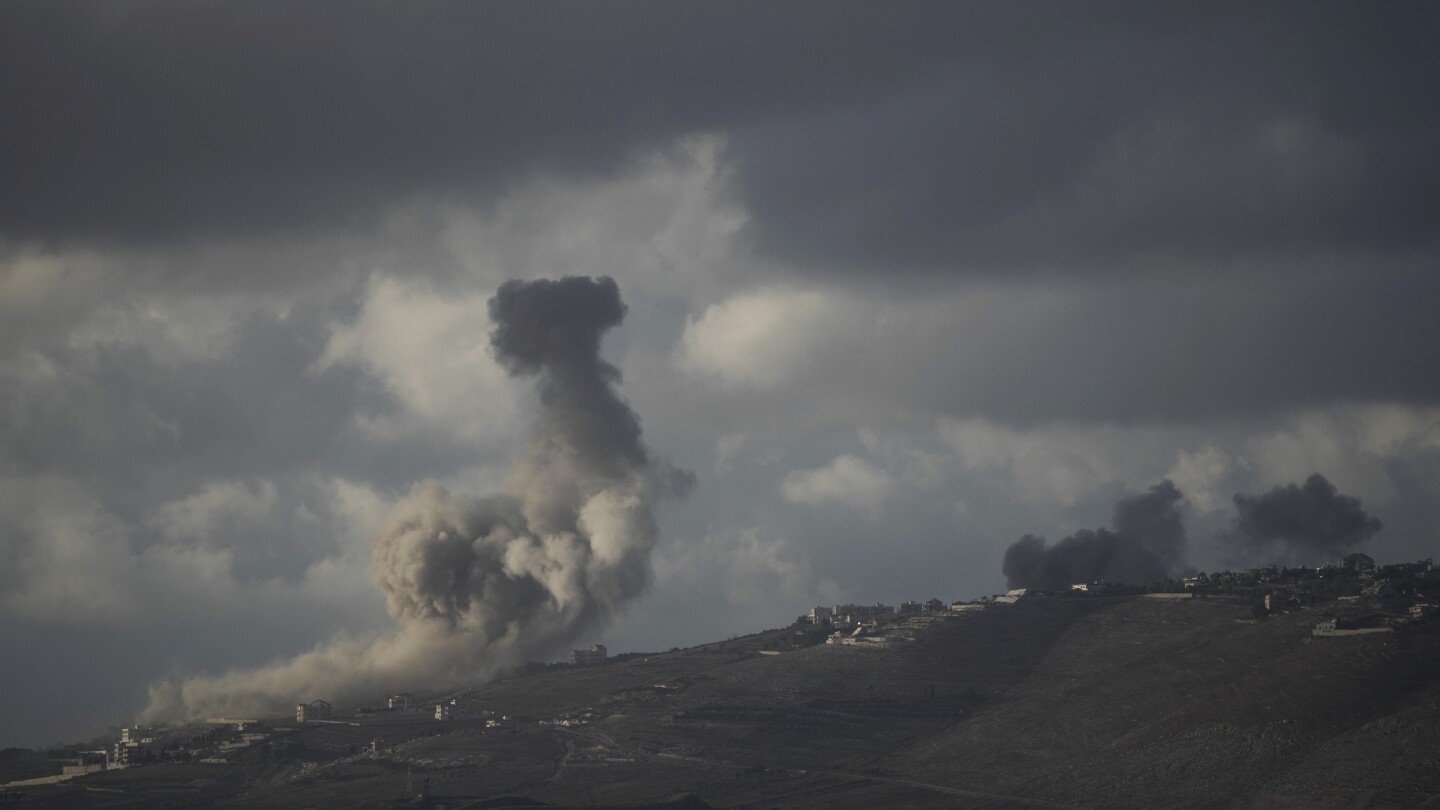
1146, 542
479, 584
1313, 519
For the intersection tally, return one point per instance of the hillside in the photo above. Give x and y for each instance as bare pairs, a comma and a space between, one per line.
1083, 702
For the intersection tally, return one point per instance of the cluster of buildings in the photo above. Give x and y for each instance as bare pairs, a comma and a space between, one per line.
1374, 623
864, 638
597, 654
850, 615
136, 745
451, 709
1397, 594
858, 626
212, 743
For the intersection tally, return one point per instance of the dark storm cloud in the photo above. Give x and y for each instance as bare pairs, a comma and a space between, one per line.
1133, 140
1273, 342
902, 134
1113, 351
1146, 542
1310, 519
160, 120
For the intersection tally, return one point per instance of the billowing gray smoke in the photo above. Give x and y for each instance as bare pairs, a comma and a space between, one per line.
479, 584
1146, 542
1302, 522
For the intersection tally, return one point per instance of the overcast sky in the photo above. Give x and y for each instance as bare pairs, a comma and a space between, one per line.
905, 281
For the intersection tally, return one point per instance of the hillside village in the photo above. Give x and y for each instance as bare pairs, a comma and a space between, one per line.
1353, 596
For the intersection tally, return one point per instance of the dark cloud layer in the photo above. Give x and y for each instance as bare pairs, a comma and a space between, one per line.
1146, 542
1306, 520
918, 134
1135, 139
162, 120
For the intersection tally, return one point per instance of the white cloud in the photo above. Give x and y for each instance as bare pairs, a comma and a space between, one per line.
847, 480
1054, 464
73, 560
1199, 475
1351, 445
916, 466
432, 350
757, 574
669, 225
762, 338
68, 559
218, 506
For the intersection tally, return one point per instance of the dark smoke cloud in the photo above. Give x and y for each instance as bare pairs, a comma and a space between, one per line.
1302, 521
479, 584
1146, 542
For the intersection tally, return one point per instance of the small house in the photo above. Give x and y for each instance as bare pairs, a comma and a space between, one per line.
1359, 563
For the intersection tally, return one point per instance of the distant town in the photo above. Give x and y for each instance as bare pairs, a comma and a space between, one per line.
1365, 597
1350, 597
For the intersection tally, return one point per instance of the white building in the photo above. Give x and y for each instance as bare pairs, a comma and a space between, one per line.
819, 615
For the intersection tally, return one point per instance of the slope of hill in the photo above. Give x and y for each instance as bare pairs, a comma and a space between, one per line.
1084, 702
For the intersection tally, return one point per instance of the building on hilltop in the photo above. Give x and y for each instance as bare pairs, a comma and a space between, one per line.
852, 614
314, 710
584, 658
136, 745
1358, 562
820, 615
1264, 573
401, 701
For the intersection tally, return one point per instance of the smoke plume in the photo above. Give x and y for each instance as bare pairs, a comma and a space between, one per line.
479, 584
1302, 521
1146, 542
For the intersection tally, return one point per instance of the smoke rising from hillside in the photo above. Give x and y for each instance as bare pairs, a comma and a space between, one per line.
1302, 521
1146, 542
479, 584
